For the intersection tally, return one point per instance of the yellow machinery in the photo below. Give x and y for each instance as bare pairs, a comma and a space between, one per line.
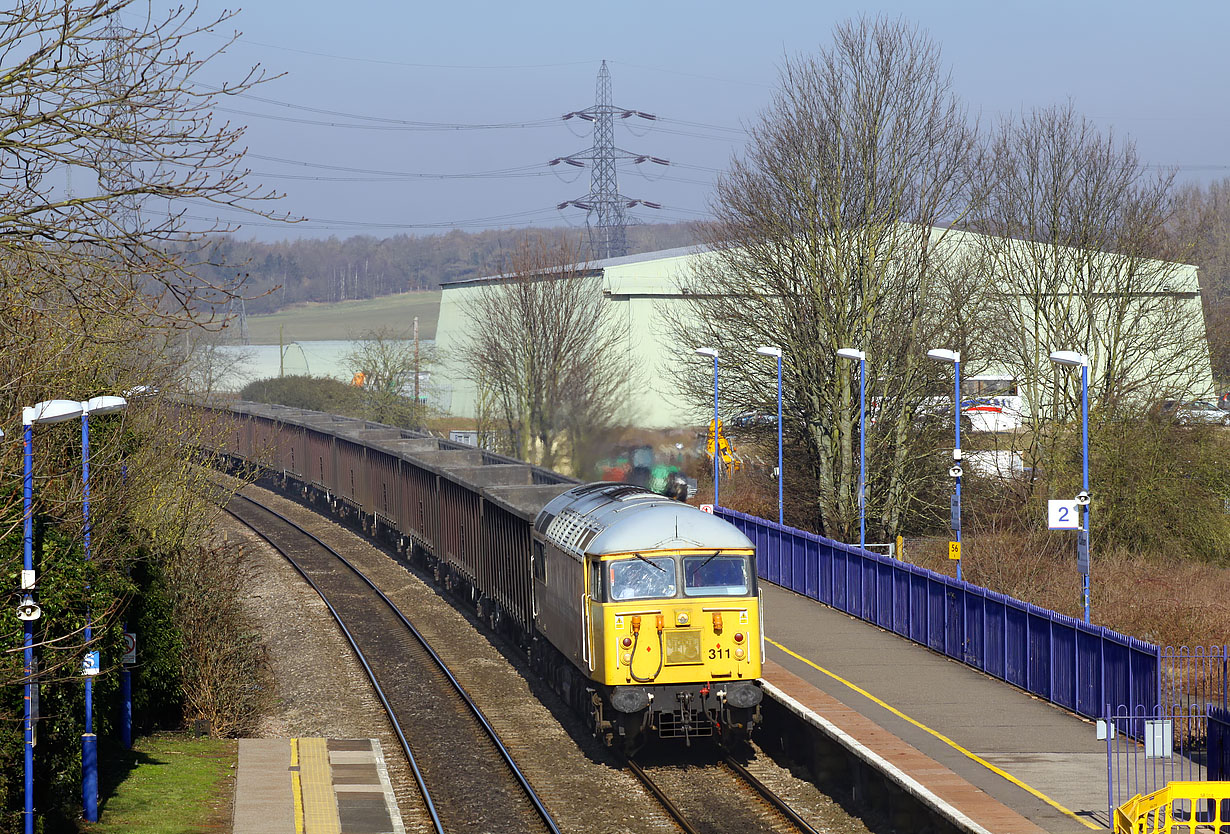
725, 449
1180, 807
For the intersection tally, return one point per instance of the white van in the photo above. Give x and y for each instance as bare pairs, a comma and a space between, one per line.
992, 403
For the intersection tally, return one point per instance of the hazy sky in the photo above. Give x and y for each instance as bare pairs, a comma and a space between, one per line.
1158, 72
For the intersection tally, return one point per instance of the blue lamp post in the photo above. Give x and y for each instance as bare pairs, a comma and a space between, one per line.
954, 357
48, 411
1073, 359
776, 352
704, 351
135, 393
89, 741
851, 353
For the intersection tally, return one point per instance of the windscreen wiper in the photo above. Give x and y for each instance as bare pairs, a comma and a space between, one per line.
654, 564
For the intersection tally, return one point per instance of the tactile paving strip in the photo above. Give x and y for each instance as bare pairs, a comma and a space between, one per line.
365, 800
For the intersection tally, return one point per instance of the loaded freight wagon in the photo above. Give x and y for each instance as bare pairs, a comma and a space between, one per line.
641, 611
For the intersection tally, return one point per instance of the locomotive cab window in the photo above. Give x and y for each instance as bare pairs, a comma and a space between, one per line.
642, 577
540, 563
716, 575
595, 580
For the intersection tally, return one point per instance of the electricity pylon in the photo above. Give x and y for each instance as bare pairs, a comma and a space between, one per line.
608, 238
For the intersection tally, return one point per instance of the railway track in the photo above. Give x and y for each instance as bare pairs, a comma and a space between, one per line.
468, 780
718, 797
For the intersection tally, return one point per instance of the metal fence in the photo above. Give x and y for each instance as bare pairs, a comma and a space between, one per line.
1196, 676
1186, 737
1219, 743
1146, 749
1077, 666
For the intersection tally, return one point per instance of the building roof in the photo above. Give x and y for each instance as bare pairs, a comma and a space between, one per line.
595, 266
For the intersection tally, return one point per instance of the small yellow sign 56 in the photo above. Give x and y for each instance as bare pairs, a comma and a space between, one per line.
954, 550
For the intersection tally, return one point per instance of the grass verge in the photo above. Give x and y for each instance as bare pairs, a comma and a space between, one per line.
169, 783
349, 319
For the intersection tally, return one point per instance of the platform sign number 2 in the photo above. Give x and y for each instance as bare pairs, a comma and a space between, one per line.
1063, 515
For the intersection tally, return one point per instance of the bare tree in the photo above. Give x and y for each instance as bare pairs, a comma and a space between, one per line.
830, 234
120, 109
210, 361
390, 365
1074, 232
547, 355
91, 276
1202, 219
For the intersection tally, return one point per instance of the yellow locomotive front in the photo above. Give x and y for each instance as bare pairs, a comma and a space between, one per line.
654, 605
677, 640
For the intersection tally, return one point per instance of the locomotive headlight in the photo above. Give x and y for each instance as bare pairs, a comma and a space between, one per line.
738, 653
681, 618
626, 642
627, 658
738, 636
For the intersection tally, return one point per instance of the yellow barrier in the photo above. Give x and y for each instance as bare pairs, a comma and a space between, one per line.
1180, 807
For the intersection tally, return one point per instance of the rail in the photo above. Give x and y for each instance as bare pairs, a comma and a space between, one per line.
530, 793
789, 818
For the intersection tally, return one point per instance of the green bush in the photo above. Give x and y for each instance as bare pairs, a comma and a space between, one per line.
66, 582
1158, 487
335, 397
314, 393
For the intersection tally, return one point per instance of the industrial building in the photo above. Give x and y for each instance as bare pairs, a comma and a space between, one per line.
642, 286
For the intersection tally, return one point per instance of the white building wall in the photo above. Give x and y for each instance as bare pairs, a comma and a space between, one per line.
642, 287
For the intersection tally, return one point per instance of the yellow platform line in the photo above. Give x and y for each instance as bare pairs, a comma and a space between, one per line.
296, 785
319, 802
968, 754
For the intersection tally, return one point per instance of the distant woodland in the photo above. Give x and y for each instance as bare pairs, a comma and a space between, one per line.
290, 272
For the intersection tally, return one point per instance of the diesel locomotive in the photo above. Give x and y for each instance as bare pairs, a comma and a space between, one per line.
641, 611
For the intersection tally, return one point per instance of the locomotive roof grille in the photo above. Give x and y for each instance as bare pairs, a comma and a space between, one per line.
571, 531
609, 518
625, 492
543, 522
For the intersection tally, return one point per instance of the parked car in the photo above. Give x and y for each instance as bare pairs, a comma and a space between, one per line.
1186, 412
750, 419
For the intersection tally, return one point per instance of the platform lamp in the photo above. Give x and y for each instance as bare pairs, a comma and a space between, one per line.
48, 411
1073, 359
89, 741
705, 351
861, 357
776, 352
954, 357
137, 392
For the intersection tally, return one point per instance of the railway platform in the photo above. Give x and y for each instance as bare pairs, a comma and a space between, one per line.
314, 786
981, 752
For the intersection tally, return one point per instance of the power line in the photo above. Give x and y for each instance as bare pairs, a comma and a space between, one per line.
609, 239
383, 119
522, 170
391, 63
696, 75
402, 126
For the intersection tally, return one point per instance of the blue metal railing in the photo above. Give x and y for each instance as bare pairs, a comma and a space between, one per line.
1219, 743
1080, 667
